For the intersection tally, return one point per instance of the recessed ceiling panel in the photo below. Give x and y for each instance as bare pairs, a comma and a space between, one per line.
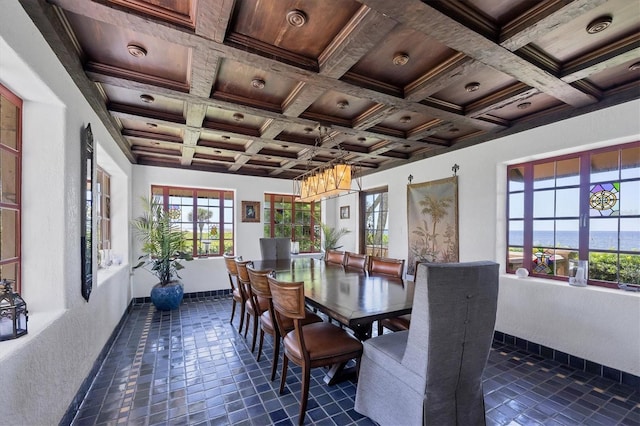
339, 106
181, 12
142, 99
305, 28
151, 127
128, 50
249, 85
234, 118
402, 57
620, 75
484, 81
525, 107
572, 40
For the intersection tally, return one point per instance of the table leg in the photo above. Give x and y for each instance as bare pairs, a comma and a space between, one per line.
338, 373
362, 331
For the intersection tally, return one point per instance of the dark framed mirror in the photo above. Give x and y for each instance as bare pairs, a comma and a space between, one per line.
86, 213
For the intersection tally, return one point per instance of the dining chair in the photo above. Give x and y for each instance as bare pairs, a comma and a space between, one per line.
386, 266
254, 305
275, 248
268, 325
236, 292
318, 344
355, 261
432, 373
334, 257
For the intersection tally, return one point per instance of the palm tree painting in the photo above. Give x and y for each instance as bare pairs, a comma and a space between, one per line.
432, 214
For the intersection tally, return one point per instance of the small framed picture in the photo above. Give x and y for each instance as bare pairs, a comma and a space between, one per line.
344, 212
251, 211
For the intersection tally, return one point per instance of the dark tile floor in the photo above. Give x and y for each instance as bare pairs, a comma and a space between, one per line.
191, 367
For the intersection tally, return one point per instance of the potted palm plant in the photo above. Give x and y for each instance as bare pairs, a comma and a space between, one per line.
332, 236
163, 248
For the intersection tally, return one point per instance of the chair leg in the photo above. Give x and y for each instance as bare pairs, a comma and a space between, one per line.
283, 375
255, 333
306, 375
260, 344
233, 311
276, 353
246, 328
241, 317
380, 328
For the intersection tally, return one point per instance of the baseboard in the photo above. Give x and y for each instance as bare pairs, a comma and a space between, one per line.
568, 359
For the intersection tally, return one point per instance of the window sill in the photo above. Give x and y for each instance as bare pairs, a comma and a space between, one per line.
104, 274
589, 288
38, 322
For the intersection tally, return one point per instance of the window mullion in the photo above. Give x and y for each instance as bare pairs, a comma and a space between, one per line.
527, 250
583, 226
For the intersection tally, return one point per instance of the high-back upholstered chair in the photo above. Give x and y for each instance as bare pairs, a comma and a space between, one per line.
275, 248
334, 256
254, 305
432, 373
386, 266
268, 325
236, 291
312, 345
355, 261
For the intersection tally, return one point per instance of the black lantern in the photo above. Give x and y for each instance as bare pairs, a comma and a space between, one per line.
13, 313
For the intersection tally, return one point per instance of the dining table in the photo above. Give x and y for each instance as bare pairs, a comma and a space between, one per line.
352, 297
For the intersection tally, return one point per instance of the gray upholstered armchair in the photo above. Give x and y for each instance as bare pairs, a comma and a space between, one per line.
275, 248
432, 373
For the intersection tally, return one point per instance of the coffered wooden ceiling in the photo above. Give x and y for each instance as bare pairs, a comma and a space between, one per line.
242, 86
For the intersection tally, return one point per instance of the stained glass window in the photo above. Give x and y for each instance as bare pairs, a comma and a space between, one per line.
582, 206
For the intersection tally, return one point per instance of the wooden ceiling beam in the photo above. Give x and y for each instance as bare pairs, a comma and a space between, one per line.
425, 18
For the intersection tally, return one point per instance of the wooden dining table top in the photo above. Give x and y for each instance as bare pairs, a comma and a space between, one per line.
350, 296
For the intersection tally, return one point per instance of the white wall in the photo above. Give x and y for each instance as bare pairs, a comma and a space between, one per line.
66, 333
205, 274
45, 368
585, 322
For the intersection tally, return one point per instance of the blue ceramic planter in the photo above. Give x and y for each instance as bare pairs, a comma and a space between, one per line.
168, 297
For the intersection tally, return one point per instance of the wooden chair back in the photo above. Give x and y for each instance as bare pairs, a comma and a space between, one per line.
288, 298
334, 256
386, 266
259, 282
355, 261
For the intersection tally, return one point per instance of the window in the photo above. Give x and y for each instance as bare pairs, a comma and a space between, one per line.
10, 196
375, 219
103, 209
580, 206
285, 217
208, 232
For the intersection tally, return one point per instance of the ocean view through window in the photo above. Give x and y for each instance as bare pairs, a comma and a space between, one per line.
583, 206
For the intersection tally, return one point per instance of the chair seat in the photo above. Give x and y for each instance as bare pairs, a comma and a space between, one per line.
263, 305
266, 322
237, 295
324, 341
400, 323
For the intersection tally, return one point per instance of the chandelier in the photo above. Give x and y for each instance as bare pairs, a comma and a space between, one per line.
329, 180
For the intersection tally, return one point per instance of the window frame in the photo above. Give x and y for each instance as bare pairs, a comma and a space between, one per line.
103, 209
364, 247
584, 218
223, 194
17, 205
269, 220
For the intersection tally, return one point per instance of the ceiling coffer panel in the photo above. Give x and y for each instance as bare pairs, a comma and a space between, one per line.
244, 86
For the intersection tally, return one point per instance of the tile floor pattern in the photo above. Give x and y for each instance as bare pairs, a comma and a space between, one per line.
191, 367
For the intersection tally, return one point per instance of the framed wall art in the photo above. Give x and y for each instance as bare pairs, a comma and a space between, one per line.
251, 211
345, 212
